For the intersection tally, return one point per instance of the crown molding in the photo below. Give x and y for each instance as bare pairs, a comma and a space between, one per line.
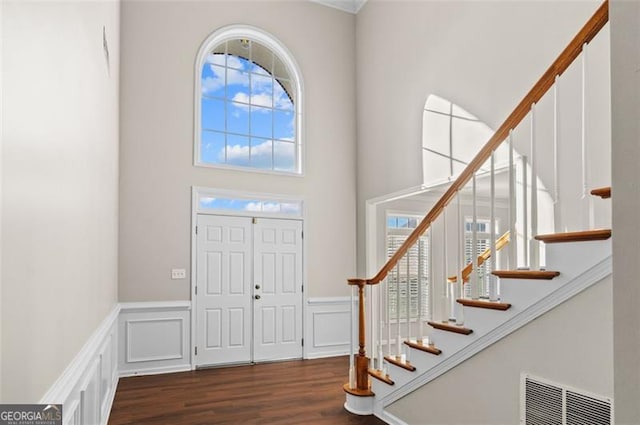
350, 6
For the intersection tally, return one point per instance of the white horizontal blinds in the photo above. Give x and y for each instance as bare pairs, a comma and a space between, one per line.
483, 242
410, 281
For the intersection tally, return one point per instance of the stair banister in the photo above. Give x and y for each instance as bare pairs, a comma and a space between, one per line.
559, 66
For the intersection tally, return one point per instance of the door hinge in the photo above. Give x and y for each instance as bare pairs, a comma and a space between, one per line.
196, 230
196, 351
302, 288
254, 220
302, 234
196, 290
303, 342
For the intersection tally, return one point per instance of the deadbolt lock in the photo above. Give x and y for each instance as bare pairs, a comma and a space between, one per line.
257, 297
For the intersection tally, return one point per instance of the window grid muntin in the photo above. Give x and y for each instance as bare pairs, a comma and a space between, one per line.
277, 88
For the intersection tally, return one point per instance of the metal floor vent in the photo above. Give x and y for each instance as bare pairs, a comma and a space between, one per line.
543, 402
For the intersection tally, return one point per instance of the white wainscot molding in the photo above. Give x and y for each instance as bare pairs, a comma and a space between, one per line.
154, 337
327, 324
87, 386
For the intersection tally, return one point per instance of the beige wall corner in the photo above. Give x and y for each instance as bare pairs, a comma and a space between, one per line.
625, 109
59, 188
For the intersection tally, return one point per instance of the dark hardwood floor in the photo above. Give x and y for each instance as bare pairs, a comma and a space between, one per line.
293, 392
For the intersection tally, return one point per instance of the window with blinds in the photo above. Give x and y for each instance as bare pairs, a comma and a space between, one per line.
483, 242
409, 280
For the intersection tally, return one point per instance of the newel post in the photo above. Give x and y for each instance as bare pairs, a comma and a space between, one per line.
362, 362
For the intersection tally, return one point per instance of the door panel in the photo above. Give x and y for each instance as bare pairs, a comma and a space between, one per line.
278, 283
224, 272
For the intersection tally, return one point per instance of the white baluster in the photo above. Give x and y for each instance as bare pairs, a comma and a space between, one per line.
513, 235
408, 295
534, 244
525, 212
586, 199
398, 347
388, 316
475, 285
459, 265
381, 303
372, 332
432, 282
493, 285
557, 212
420, 277
445, 289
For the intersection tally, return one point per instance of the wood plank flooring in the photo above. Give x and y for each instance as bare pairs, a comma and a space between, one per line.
293, 392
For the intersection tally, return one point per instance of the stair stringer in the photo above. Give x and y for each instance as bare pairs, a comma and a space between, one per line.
574, 279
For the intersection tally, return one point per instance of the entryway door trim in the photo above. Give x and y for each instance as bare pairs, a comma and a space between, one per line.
199, 193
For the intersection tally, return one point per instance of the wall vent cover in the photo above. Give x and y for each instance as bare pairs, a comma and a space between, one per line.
543, 402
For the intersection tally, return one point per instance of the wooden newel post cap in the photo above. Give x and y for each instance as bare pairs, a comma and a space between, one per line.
357, 281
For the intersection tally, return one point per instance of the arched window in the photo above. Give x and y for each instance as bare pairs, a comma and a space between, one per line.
247, 103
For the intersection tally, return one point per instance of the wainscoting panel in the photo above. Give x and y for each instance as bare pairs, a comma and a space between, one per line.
87, 386
154, 337
327, 324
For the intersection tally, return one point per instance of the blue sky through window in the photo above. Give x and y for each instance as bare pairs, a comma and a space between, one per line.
247, 116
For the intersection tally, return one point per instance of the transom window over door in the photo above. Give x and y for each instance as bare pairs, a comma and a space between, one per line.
248, 111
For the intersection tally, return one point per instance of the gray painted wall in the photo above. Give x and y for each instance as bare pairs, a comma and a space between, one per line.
160, 40
625, 76
60, 186
571, 345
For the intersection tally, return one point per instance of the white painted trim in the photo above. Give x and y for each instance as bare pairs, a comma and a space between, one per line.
323, 313
154, 305
196, 191
390, 418
128, 330
352, 6
578, 284
164, 362
235, 31
328, 300
156, 371
73, 373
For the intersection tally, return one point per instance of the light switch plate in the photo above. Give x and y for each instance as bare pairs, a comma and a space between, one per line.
178, 274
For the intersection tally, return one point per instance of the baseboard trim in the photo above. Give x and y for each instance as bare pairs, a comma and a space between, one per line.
391, 418
156, 371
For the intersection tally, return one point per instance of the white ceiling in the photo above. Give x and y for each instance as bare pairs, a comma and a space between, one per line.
351, 6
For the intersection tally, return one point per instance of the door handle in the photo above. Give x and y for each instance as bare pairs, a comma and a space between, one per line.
257, 286
257, 297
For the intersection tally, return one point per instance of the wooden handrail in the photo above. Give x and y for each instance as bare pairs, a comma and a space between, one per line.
486, 254
559, 66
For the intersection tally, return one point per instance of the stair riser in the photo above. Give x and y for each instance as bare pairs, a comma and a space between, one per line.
570, 257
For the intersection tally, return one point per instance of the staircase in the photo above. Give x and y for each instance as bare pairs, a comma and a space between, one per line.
458, 309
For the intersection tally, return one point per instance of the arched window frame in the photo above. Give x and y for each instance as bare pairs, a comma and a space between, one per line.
233, 32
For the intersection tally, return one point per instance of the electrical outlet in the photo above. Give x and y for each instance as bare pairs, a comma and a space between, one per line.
178, 274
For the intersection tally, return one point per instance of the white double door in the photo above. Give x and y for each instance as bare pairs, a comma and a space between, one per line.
249, 289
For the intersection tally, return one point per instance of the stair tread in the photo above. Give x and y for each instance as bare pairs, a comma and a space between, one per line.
378, 375
492, 305
357, 392
425, 348
587, 235
406, 365
450, 328
526, 274
603, 192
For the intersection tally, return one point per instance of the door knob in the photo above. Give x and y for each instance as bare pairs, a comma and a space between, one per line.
257, 286
257, 297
